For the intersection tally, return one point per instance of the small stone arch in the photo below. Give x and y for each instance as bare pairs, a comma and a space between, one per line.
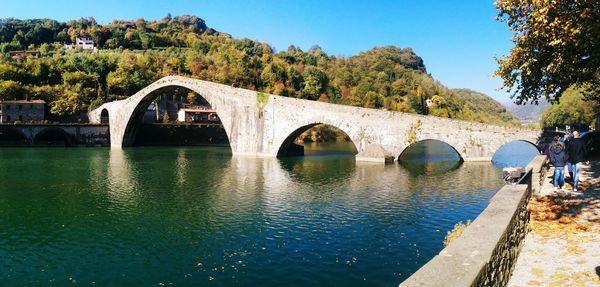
10, 136
289, 148
515, 141
104, 116
51, 136
460, 156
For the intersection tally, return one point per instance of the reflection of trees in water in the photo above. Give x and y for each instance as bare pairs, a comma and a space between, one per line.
430, 157
233, 191
431, 167
319, 170
329, 148
471, 177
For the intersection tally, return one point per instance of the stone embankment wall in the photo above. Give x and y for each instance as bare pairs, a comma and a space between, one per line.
486, 252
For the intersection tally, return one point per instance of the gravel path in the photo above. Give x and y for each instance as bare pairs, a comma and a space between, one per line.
563, 246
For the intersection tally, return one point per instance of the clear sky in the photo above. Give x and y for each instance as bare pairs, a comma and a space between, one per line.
457, 39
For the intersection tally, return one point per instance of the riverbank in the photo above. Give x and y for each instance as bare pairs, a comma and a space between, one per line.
563, 246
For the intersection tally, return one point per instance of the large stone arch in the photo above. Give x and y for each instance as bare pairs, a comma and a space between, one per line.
143, 100
286, 147
123, 113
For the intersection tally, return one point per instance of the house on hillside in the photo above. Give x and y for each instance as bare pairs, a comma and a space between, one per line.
22, 111
20, 55
85, 43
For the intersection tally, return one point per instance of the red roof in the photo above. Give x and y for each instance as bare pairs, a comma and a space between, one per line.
23, 102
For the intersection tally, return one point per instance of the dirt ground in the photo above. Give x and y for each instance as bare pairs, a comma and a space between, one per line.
563, 246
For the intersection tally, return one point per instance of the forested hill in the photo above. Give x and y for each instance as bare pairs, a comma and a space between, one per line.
133, 54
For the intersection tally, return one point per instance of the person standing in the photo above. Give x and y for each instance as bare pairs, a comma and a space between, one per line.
566, 140
558, 158
577, 154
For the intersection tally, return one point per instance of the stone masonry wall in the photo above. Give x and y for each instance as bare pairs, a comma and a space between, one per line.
486, 252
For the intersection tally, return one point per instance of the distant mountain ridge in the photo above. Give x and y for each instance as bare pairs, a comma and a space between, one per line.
528, 113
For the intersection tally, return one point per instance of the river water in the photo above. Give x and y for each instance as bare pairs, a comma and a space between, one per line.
200, 217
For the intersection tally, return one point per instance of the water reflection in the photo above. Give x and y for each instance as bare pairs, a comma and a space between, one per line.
197, 216
121, 181
318, 170
515, 153
431, 157
181, 167
431, 167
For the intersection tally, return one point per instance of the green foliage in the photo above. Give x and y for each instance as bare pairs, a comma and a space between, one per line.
261, 101
73, 81
166, 119
474, 106
411, 136
315, 82
557, 45
439, 107
572, 110
323, 133
10, 90
456, 232
96, 103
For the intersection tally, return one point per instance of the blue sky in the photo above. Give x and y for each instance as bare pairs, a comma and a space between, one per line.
457, 39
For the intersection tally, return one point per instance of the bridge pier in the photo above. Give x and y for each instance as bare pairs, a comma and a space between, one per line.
375, 153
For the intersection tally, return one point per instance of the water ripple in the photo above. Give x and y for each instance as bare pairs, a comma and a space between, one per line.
196, 216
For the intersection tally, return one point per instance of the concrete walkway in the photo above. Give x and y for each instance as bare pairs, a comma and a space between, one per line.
563, 246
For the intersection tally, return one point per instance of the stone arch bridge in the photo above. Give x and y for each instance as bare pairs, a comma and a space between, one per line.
43, 134
266, 125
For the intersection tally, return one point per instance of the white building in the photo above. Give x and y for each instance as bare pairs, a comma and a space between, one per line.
198, 115
85, 43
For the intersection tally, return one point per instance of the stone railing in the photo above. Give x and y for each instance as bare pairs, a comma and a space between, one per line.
539, 169
485, 254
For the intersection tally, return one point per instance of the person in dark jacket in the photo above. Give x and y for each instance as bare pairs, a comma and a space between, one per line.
577, 154
566, 139
558, 158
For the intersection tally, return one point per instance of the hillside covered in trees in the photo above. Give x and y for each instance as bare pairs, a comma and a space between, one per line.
133, 54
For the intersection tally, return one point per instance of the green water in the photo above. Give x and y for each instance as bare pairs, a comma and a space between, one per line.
200, 217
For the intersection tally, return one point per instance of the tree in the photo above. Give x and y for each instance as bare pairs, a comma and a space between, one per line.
439, 107
315, 82
12, 90
72, 81
557, 45
166, 118
572, 110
